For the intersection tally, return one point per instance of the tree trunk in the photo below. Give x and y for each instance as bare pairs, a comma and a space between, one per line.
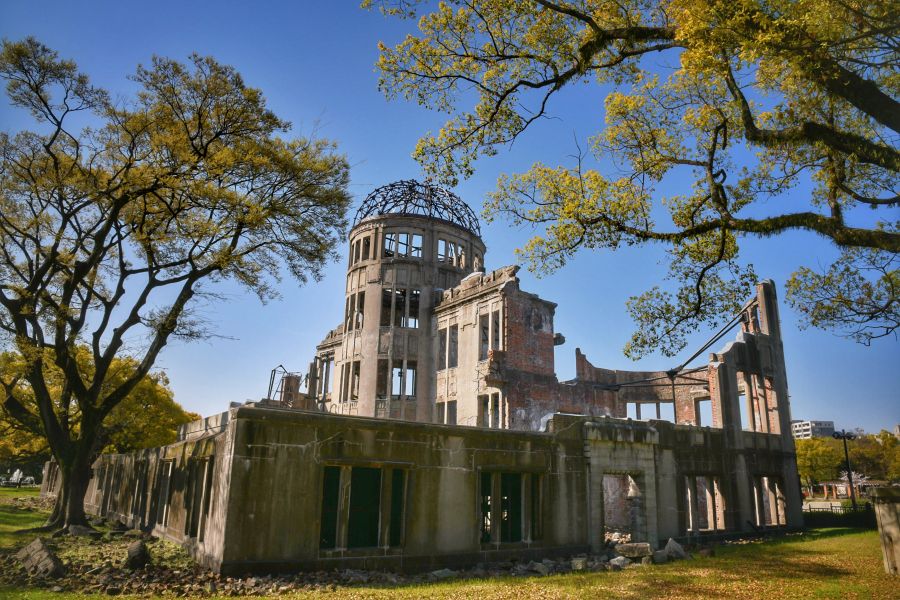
79, 475
57, 517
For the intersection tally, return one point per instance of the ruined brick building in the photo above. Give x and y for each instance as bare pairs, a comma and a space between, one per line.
434, 432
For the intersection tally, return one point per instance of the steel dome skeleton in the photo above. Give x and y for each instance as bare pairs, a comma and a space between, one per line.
411, 197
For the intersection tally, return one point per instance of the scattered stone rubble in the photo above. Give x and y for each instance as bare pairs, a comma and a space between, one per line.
138, 572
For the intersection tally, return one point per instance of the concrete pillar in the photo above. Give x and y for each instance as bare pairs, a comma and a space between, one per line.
595, 507
770, 324
496, 510
720, 505
636, 517
711, 505
343, 511
693, 505
527, 483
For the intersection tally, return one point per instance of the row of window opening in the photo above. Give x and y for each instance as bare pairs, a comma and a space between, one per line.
375, 514
409, 245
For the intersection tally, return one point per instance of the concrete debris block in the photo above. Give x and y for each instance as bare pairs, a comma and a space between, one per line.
579, 563
443, 574
133, 533
706, 552
620, 561
39, 560
538, 567
660, 557
646, 560
634, 549
675, 550
138, 555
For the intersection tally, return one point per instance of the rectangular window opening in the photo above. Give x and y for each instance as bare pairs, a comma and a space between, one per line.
442, 350
414, 301
510, 507
399, 307
484, 410
398, 500
345, 382
402, 244
617, 518
386, 296
348, 312
483, 336
495, 330
409, 382
453, 347
746, 425
415, 249
451, 412
390, 245
360, 309
354, 384
486, 501
365, 507
439, 412
397, 379
381, 378
331, 480
366, 247
442, 251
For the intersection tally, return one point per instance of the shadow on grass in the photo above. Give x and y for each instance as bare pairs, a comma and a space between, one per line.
12, 520
768, 566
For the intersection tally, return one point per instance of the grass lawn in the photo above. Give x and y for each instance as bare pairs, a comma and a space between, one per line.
13, 518
825, 563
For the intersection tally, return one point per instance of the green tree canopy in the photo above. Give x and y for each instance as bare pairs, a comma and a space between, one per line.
110, 232
754, 101
148, 417
818, 459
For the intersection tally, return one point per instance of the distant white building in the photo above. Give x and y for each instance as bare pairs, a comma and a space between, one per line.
804, 430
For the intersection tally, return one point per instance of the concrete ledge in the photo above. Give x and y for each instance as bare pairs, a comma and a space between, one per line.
403, 563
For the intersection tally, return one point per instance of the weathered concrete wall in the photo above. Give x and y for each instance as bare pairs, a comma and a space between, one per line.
178, 492
275, 514
255, 496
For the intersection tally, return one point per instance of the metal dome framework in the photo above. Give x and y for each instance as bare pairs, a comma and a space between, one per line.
411, 197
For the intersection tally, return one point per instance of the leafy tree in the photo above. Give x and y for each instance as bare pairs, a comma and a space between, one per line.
893, 473
20, 449
110, 234
148, 417
818, 459
872, 455
756, 101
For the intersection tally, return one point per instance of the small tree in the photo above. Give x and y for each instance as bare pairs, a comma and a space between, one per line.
148, 417
716, 111
818, 460
109, 234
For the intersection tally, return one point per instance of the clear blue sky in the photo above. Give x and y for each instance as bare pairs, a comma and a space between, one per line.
314, 61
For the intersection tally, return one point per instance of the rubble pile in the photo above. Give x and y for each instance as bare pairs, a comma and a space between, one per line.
129, 562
